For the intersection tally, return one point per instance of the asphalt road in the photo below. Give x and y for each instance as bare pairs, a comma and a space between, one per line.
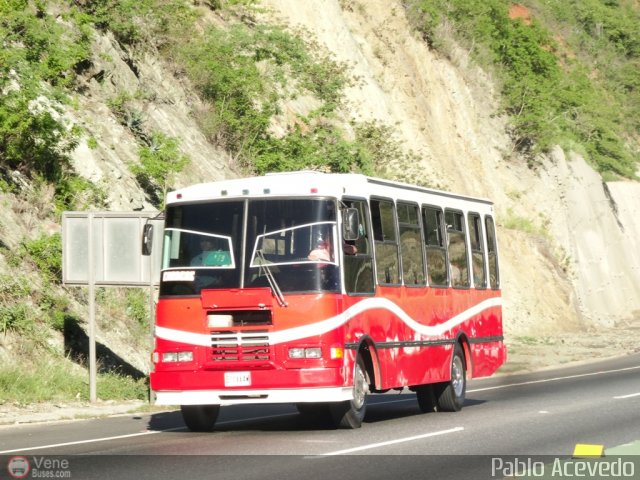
507, 421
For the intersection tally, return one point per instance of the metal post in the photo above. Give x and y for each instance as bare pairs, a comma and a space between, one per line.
92, 318
152, 322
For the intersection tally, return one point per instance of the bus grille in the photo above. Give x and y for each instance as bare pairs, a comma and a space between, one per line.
240, 346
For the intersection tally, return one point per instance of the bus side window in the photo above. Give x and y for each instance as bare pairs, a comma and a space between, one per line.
432, 225
358, 268
386, 245
410, 244
494, 273
477, 251
457, 248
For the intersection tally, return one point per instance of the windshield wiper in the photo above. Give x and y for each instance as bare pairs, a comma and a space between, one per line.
271, 279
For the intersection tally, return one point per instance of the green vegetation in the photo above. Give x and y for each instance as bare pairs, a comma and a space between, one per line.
46, 253
32, 306
554, 87
146, 24
160, 160
568, 75
14, 313
137, 306
245, 73
29, 307
160, 156
377, 143
513, 221
38, 62
55, 381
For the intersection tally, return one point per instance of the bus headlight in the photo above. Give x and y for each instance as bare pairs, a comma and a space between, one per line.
315, 352
185, 356
169, 357
308, 352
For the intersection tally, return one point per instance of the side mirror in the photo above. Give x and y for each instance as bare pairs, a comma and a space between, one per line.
350, 224
147, 239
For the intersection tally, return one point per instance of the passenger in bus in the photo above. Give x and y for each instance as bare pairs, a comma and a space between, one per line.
211, 255
349, 249
324, 250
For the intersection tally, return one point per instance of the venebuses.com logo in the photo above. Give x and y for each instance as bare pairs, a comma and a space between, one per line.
38, 467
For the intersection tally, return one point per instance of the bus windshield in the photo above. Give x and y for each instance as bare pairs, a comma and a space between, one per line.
231, 244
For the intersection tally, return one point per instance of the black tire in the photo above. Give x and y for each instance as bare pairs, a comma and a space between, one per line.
426, 398
450, 395
350, 413
200, 418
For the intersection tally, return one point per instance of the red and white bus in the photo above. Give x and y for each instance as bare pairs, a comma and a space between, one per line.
318, 289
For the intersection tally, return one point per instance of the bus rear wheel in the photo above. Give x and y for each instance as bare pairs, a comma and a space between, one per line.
450, 395
200, 418
350, 414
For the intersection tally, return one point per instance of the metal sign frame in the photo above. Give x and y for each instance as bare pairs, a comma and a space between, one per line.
116, 248
106, 249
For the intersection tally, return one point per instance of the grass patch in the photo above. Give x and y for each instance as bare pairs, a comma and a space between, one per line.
512, 221
56, 382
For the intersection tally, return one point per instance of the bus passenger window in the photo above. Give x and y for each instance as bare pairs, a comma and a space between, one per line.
477, 251
358, 267
386, 244
410, 244
494, 274
457, 247
432, 225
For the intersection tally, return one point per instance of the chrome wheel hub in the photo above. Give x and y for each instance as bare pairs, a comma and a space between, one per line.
457, 376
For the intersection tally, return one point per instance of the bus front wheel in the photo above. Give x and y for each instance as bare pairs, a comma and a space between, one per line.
350, 413
200, 418
450, 395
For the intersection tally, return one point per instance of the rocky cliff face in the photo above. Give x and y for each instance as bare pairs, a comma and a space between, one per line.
161, 101
570, 256
576, 264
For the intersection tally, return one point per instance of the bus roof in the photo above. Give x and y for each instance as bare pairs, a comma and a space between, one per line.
310, 183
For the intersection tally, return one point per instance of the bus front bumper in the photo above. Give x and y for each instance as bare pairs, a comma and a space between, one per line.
253, 396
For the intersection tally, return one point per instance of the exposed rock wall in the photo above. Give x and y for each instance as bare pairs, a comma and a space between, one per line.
161, 101
580, 269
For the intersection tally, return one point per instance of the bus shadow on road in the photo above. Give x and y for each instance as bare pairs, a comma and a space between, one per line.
274, 418
404, 407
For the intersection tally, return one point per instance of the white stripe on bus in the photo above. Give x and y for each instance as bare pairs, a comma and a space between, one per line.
324, 326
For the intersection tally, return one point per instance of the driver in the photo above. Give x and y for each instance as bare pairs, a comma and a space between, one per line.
323, 251
210, 255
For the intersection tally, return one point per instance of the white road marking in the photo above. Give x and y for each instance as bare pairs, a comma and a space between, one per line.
92, 440
131, 435
619, 397
555, 379
390, 442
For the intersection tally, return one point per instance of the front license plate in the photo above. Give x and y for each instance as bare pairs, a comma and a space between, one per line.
237, 379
